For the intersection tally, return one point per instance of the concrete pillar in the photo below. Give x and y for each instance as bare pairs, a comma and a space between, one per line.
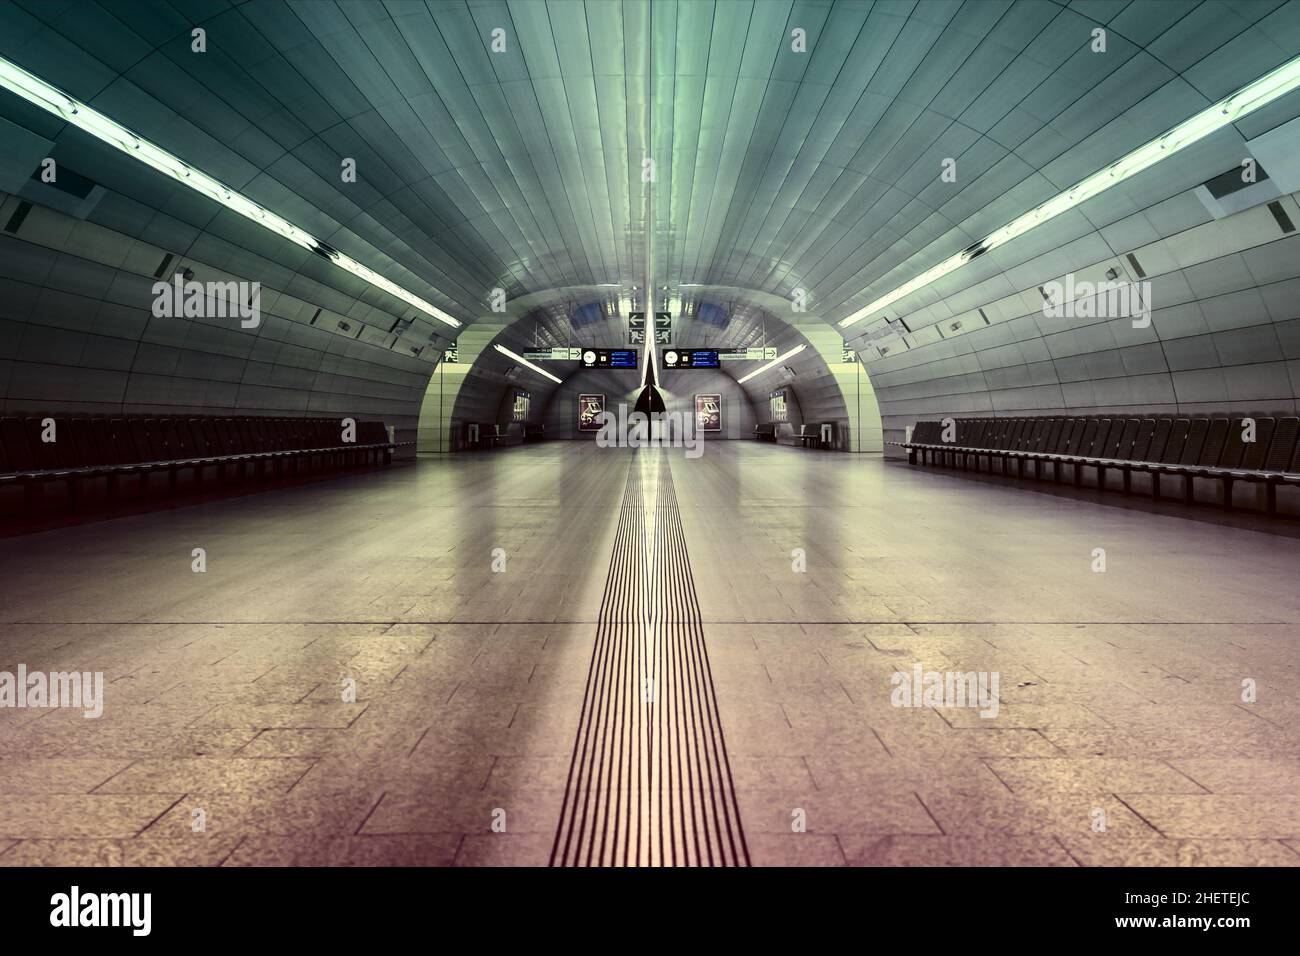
434, 433
859, 397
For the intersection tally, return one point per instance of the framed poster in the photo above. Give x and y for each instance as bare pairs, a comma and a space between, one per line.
519, 411
590, 408
708, 413
777, 405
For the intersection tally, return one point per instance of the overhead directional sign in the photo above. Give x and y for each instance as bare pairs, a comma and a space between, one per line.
607, 358
747, 355
690, 358
637, 331
557, 354
663, 325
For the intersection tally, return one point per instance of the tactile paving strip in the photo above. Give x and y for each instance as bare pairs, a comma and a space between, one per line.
649, 782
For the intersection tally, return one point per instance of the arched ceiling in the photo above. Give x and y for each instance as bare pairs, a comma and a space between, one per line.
778, 169
775, 169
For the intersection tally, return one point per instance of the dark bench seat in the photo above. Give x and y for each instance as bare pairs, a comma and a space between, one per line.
1182, 448
113, 448
483, 435
765, 431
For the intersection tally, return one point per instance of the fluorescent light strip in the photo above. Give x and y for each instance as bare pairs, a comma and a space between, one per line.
527, 364
772, 364
35, 90
1246, 100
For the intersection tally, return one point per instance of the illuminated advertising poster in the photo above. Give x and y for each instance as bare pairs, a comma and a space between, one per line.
519, 413
708, 413
777, 403
590, 408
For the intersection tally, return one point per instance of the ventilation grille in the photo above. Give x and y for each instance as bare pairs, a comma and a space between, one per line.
1283, 220
1232, 182
66, 181
16, 220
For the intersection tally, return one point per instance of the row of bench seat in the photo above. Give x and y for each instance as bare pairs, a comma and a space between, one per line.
809, 434
485, 435
1187, 448
493, 435
112, 447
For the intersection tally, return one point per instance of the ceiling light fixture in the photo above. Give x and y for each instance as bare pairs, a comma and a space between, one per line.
35, 90
772, 364
525, 363
1227, 111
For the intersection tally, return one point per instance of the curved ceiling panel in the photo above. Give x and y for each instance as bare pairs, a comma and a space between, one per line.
795, 146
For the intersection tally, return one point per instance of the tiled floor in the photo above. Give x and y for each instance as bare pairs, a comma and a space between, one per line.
1121, 734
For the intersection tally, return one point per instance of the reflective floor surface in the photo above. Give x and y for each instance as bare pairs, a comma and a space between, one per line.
571, 655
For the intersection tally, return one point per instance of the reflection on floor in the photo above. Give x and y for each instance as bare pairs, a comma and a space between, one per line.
1144, 714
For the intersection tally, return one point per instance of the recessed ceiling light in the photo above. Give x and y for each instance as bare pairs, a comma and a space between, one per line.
1227, 111
35, 90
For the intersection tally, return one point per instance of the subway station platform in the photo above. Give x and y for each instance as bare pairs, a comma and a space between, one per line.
649, 433
570, 655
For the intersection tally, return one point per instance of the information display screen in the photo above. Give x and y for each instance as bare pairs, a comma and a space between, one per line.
777, 406
519, 411
690, 358
608, 358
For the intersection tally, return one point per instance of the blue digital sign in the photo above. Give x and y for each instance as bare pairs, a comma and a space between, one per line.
690, 358
609, 358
